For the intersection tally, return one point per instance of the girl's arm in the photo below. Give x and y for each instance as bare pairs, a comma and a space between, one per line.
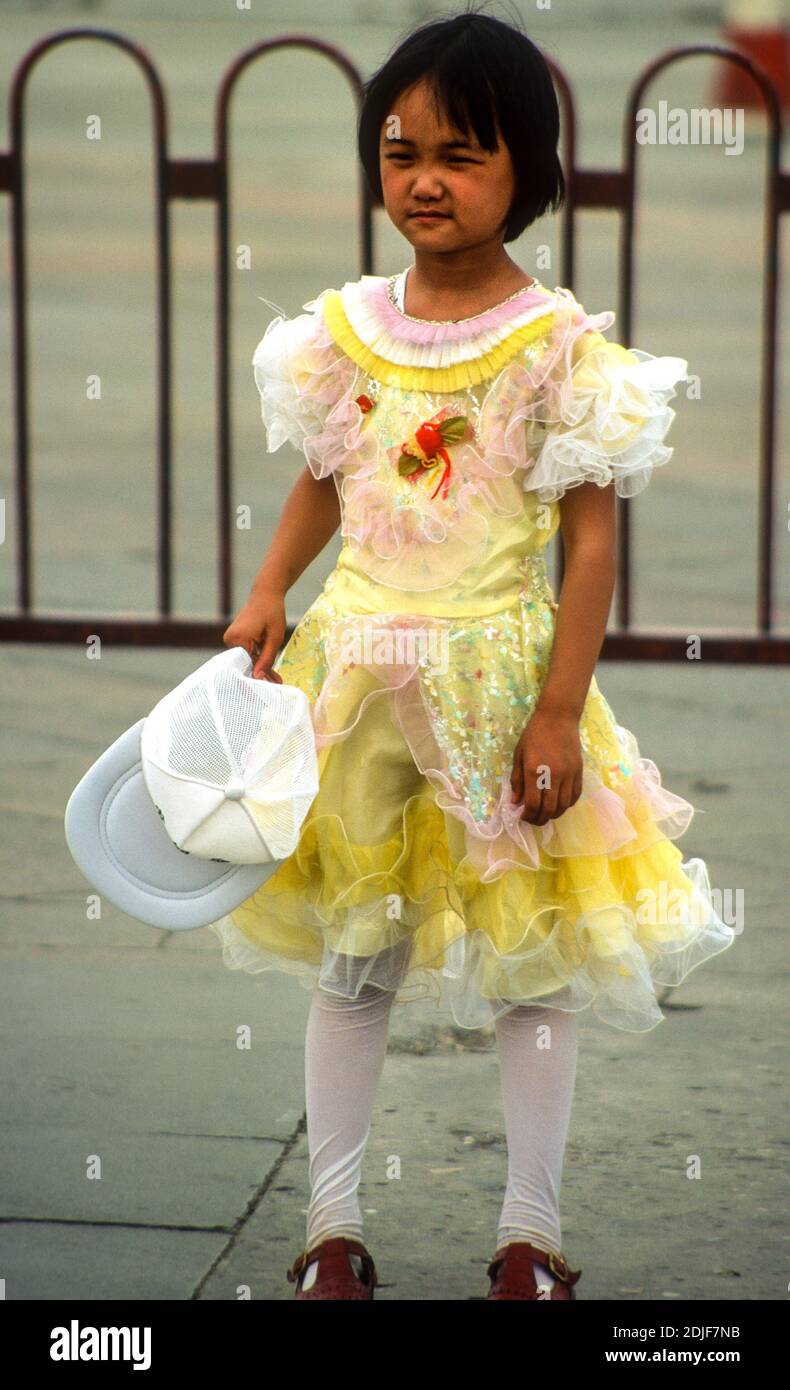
606, 420
588, 521
308, 521
551, 737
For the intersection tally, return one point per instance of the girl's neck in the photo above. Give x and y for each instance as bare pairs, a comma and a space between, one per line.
437, 287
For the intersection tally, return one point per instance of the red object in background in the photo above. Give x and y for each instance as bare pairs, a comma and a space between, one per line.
768, 44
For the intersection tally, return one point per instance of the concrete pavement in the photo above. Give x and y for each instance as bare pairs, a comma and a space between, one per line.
119, 1042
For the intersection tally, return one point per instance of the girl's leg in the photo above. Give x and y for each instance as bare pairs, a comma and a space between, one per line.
537, 1053
345, 1046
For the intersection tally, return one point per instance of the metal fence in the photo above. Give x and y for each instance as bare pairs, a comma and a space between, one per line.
207, 179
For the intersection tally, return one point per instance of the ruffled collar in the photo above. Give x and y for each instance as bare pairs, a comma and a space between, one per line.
472, 323
365, 321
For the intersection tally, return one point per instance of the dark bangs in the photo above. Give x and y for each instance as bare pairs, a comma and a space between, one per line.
484, 73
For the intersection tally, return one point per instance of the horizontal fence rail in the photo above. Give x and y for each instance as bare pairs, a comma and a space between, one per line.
208, 180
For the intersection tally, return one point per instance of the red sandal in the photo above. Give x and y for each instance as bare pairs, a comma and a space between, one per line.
336, 1277
512, 1274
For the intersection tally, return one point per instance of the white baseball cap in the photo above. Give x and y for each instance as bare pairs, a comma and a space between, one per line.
196, 805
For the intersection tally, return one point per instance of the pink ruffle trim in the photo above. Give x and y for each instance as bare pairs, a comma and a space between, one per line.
480, 333
307, 388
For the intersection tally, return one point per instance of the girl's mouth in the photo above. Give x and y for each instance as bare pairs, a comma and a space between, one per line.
429, 216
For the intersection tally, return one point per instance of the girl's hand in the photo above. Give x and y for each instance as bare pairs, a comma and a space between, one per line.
548, 741
259, 627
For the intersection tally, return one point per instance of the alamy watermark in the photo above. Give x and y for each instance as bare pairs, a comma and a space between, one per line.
697, 126
674, 907
398, 646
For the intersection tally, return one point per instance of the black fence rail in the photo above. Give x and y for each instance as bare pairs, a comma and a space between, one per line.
207, 180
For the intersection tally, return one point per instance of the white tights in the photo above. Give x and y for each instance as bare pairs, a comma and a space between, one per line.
345, 1046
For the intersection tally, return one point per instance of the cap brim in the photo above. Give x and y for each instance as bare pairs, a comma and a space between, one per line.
117, 839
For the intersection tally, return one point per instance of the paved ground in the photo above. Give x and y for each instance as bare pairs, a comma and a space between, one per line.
119, 1041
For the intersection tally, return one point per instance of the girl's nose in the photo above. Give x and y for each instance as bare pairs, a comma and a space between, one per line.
427, 185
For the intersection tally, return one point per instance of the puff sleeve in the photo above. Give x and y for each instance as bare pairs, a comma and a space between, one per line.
601, 415
306, 384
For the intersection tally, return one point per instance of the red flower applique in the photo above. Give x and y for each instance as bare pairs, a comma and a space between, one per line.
423, 450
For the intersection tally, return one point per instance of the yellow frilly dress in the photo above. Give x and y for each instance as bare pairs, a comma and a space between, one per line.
451, 444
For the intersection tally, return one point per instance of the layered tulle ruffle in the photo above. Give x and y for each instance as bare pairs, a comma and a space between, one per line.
434, 355
307, 387
414, 870
587, 410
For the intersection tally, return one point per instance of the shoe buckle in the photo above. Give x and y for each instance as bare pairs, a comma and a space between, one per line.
558, 1265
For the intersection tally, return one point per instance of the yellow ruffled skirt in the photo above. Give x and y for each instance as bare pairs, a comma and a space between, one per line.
413, 872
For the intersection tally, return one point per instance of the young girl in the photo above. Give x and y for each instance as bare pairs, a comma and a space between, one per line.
485, 832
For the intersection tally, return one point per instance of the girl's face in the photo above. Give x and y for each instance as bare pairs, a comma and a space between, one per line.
427, 165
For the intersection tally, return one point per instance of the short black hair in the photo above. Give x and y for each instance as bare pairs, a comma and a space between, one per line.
486, 73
